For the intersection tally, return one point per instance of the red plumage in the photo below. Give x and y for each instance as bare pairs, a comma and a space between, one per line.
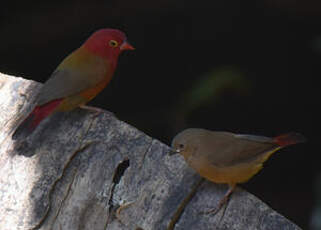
35, 117
78, 78
289, 139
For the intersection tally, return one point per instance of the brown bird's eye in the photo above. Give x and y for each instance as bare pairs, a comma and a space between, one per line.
113, 43
181, 146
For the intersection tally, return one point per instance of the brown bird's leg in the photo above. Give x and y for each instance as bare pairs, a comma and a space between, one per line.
223, 200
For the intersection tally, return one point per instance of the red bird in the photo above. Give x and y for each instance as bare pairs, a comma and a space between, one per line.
78, 78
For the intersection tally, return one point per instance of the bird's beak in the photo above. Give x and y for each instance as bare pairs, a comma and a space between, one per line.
173, 151
126, 46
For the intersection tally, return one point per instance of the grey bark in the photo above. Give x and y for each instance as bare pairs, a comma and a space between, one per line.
80, 170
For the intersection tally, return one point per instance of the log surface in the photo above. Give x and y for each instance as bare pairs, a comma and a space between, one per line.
80, 170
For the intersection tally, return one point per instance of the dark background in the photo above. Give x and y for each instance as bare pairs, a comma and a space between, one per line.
241, 66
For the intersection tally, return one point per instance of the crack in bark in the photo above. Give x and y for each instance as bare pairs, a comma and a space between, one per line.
118, 174
65, 197
181, 207
145, 153
53, 187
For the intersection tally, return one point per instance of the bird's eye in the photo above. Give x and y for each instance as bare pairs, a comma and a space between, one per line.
113, 43
181, 146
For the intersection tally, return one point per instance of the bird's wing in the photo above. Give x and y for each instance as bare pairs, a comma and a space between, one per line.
71, 79
61, 84
228, 149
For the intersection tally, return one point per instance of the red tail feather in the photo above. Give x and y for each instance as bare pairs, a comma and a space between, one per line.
289, 139
41, 112
35, 117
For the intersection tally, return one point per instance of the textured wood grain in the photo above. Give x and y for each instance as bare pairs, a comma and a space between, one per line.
81, 171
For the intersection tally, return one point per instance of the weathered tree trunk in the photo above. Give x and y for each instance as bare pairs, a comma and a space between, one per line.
80, 170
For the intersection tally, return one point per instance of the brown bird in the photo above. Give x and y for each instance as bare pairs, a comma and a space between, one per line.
228, 158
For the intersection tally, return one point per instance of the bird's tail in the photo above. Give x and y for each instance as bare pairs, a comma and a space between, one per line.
289, 139
34, 118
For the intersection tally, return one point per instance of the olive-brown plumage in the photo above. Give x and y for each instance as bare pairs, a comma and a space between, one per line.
224, 157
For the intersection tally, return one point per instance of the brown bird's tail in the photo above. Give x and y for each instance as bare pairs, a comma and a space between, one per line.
289, 139
35, 117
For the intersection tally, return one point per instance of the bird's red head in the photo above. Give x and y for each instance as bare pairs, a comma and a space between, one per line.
107, 43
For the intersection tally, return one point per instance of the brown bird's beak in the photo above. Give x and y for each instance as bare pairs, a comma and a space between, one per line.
173, 151
126, 46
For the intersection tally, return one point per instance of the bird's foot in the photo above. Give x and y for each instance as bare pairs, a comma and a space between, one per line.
222, 202
216, 209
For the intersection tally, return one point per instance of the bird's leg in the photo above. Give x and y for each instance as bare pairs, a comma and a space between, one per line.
91, 108
223, 200
96, 110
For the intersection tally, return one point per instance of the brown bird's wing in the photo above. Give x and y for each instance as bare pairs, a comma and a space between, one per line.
72, 76
228, 149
